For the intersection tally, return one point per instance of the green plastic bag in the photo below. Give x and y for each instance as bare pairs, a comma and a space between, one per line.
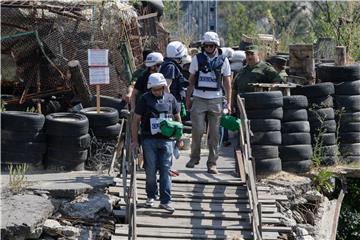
183, 110
170, 128
229, 122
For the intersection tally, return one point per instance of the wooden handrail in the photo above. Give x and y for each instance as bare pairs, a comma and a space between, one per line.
249, 169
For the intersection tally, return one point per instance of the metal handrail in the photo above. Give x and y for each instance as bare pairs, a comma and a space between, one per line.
245, 149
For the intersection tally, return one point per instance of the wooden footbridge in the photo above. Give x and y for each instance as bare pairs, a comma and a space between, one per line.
228, 205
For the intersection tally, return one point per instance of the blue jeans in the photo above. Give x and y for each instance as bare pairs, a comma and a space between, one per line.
158, 154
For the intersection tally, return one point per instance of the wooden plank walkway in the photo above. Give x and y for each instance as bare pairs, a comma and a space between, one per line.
207, 206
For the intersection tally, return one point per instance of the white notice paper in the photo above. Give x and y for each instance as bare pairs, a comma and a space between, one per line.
98, 57
99, 75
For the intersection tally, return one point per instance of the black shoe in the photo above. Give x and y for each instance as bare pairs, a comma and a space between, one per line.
191, 164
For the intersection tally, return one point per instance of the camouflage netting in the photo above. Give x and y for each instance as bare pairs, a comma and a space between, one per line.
43, 36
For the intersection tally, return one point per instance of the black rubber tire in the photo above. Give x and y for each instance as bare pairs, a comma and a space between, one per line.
295, 127
351, 159
106, 117
321, 102
321, 114
107, 132
329, 150
268, 166
350, 149
295, 102
22, 121
295, 152
350, 127
107, 101
124, 113
328, 72
264, 151
22, 136
297, 166
272, 113
326, 138
291, 115
329, 126
264, 125
23, 147
68, 160
348, 88
296, 138
349, 117
8, 157
266, 138
318, 90
262, 100
349, 103
66, 124
353, 137
70, 143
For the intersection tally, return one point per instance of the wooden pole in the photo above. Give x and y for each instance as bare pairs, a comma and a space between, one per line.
340, 55
98, 98
79, 82
38, 88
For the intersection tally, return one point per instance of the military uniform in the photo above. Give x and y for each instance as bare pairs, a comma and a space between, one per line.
283, 75
262, 72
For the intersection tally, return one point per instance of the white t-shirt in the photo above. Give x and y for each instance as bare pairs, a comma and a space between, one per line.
225, 71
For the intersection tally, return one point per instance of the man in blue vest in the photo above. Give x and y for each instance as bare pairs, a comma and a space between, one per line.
209, 73
153, 107
171, 69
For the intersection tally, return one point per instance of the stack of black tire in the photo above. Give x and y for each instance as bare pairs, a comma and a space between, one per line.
296, 150
22, 139
264, 110
68, 141
347, 101
104, 125
322, 120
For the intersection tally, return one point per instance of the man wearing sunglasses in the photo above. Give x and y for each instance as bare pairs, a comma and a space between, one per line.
255, 71
209, 73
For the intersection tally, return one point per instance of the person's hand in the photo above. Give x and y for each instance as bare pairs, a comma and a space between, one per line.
134, 148
229, 109
188, 104
127, 98
180, 143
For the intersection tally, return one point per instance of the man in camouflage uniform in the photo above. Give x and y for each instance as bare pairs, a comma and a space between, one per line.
255, 71
279, 64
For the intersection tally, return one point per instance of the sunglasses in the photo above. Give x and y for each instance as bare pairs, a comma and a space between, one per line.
209, 45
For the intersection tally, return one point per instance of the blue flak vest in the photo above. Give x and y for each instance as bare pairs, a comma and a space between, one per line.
208, 77
178, 83
154, 109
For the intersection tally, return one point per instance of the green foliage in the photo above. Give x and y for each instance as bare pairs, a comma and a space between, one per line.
322, 181
349, 221
17, 179
32, 109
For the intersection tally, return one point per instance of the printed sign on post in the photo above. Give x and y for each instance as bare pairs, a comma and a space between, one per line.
98, 57
99, 75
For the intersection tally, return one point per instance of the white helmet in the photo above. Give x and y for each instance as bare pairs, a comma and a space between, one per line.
176, 49
156, 80
154, 58
211, 37
185, 60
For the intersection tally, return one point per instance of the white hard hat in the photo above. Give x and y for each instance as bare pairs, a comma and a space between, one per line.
154, 58
211, 37
156, 80
176, 49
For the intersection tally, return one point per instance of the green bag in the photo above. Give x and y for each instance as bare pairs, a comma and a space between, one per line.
229, 122
183, 110
170, 128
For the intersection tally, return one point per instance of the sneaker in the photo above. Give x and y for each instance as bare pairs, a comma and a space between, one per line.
213, 170
150, 202
167, 207
191, 164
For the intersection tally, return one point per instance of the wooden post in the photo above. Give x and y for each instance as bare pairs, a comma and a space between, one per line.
79, 82
38, 88
302, 62
98, 98
340, 56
